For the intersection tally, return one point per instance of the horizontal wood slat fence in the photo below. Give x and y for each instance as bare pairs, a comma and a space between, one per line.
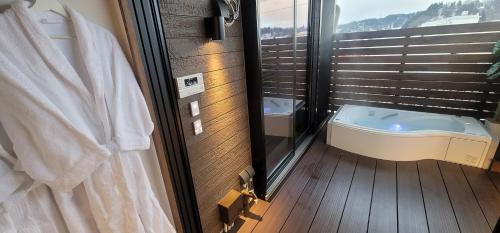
432, 69
282, 63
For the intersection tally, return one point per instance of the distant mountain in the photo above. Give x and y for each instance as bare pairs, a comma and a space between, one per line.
459, 12
388, 22
436, 14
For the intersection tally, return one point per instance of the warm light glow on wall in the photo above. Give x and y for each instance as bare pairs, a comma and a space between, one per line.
211, 47
214, 58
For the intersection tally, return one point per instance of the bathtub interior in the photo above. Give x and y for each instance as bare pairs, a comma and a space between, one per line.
278, 116
279, 106
410, 136
394, 120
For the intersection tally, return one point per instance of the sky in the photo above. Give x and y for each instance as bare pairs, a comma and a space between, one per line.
279, 13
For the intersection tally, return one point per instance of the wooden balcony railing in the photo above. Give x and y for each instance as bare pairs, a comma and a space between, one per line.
433, 69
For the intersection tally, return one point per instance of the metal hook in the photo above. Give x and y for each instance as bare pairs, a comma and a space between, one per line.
32, 3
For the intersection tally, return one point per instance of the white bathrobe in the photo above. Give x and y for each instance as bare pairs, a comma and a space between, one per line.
80, 133
25, 208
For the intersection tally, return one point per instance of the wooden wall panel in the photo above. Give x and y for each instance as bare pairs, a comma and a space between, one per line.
223, 149
205, 63
193, 26
188, 47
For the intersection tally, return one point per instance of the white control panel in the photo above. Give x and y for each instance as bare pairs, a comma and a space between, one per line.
190, 85
198, 129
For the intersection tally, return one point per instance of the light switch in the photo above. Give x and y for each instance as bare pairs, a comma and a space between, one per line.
195, 108
198, 129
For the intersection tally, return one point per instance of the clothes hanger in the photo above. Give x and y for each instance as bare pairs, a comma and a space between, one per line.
56, 6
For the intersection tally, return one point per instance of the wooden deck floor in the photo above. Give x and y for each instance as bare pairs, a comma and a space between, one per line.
331, 190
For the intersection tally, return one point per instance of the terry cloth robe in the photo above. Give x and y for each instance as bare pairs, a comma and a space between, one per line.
80, 133
25, 208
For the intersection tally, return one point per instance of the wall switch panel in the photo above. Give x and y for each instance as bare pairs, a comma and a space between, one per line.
195, 108
198, 129
190, 85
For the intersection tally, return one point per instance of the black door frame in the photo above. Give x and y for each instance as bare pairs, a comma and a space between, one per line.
318, 74
149, 30
251, 39
325, 53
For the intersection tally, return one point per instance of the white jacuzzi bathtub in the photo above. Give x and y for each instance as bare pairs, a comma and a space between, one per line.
409, 136
278, 116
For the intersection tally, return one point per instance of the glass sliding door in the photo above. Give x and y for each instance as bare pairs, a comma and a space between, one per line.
276, 18
283, 39
288, 51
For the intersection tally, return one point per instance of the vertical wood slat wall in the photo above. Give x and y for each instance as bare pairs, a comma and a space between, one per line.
222, 151
437, 69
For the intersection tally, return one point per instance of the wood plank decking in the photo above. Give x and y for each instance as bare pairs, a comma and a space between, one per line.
331, 190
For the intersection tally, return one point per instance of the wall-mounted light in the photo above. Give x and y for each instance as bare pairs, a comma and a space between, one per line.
226, 12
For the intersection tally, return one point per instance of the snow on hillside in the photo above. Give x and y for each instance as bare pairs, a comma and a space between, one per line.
458, 12
460, 19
